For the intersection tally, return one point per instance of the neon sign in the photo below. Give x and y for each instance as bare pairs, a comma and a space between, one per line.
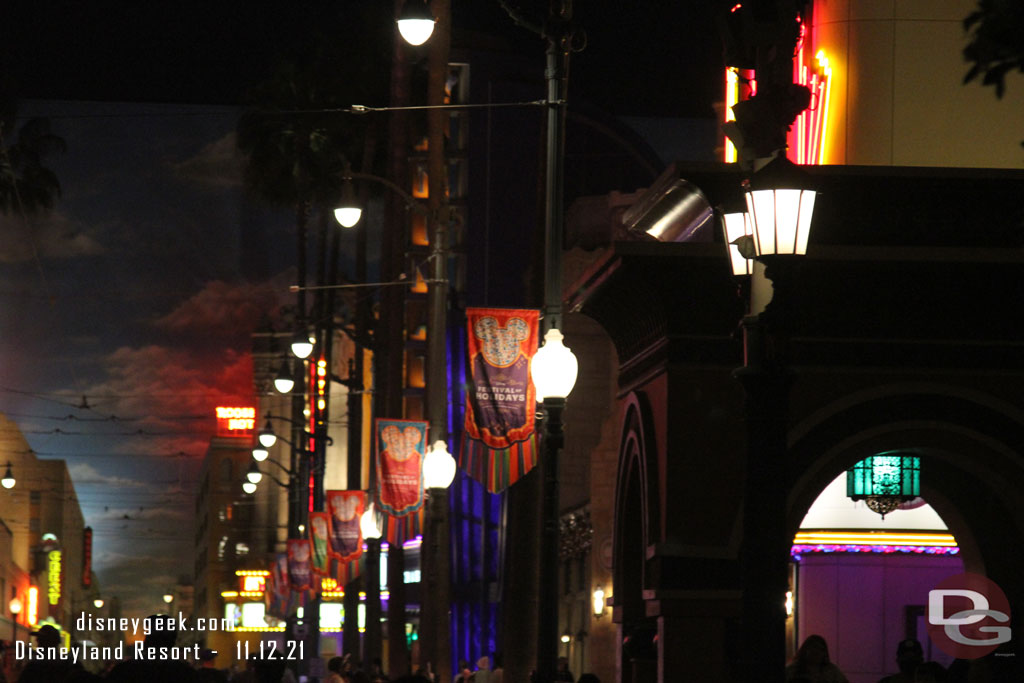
235, 421
32, 613
53, 567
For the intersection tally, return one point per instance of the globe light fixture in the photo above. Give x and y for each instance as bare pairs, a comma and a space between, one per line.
168, 598
438, 467
98, 603
780, 201
15, 606
302, 346
284, 382
8, 481
267, 437
259, 454
348, 212
416, 23
554, 368
370, 524
248, 487
253, 474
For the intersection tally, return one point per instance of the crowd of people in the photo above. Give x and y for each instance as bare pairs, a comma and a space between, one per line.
813, 665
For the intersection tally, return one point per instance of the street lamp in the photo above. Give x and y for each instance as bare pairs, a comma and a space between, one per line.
267, 437
8, 481
15, 606
168, 598
249, 487
780, 203
301, 344
438, 467
98, 603
370, 525
416, 23
284, 382
348, 212
553, 370
253, 474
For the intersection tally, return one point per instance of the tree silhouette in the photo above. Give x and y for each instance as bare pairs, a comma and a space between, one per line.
996, 44
26, 184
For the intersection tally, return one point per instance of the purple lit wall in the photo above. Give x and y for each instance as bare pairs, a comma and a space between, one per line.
864, 603
476, 539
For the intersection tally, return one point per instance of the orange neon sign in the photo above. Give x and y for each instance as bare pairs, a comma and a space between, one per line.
235, 421
32, 613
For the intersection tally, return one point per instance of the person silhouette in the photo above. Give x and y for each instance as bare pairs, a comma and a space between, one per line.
812, 665
909, 655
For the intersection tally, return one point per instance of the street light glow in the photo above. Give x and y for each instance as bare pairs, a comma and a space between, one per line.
267, 437
253, 474
284, 383
8, 481
369, 524
416, 23
553, 368
249, 487
438, 467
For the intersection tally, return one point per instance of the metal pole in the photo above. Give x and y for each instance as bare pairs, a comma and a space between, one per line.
372, 639
547, 629
556, 73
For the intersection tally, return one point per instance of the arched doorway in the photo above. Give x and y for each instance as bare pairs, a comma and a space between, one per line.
637, 514
970, 473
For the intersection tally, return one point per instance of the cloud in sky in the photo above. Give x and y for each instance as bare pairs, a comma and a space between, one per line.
224, 311
218, 165
85, 474
51, 236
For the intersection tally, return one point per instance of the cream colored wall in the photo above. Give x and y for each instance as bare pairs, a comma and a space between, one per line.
898, 96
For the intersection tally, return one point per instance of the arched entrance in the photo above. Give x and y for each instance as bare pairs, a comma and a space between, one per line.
637, 516
970, 475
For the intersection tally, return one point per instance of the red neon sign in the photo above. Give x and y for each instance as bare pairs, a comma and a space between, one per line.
235, 421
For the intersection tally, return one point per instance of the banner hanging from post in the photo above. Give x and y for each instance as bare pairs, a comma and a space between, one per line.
276, 590
319, 524
401, 445
499, 441
300, 565
344, 509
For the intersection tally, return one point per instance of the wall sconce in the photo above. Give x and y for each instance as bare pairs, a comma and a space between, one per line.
598, 602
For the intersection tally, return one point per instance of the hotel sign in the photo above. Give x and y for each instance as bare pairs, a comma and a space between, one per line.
53, 570
235, 421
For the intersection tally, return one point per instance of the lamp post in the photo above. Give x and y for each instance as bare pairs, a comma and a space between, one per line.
370, 525
780, 204
15, 606
553, 371
438, 473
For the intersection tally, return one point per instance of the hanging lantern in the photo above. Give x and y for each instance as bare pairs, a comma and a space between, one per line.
885, 481
780, 203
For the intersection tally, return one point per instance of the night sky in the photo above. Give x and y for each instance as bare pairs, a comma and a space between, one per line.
139, 291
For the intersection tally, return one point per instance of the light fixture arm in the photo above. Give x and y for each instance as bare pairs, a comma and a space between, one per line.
409, 200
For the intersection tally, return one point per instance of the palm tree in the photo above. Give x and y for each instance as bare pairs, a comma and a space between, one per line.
26, 185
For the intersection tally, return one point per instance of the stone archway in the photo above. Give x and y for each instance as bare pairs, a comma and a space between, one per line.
637, 524
971, 470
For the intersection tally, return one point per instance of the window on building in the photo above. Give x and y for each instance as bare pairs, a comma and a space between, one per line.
35, 497
226, 468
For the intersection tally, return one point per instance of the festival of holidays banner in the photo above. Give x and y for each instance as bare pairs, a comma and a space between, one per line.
300, 565
499, 441
401, 445
344, 508
276, 590
319, 523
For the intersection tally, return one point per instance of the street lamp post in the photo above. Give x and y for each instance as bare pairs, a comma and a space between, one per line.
553, 371
438, 473
15, 606
370, 525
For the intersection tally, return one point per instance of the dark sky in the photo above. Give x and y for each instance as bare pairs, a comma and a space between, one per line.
643, 57
140, 289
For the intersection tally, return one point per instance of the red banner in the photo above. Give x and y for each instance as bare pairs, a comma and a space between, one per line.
499, 441
344, 509
400, 448
300, 564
